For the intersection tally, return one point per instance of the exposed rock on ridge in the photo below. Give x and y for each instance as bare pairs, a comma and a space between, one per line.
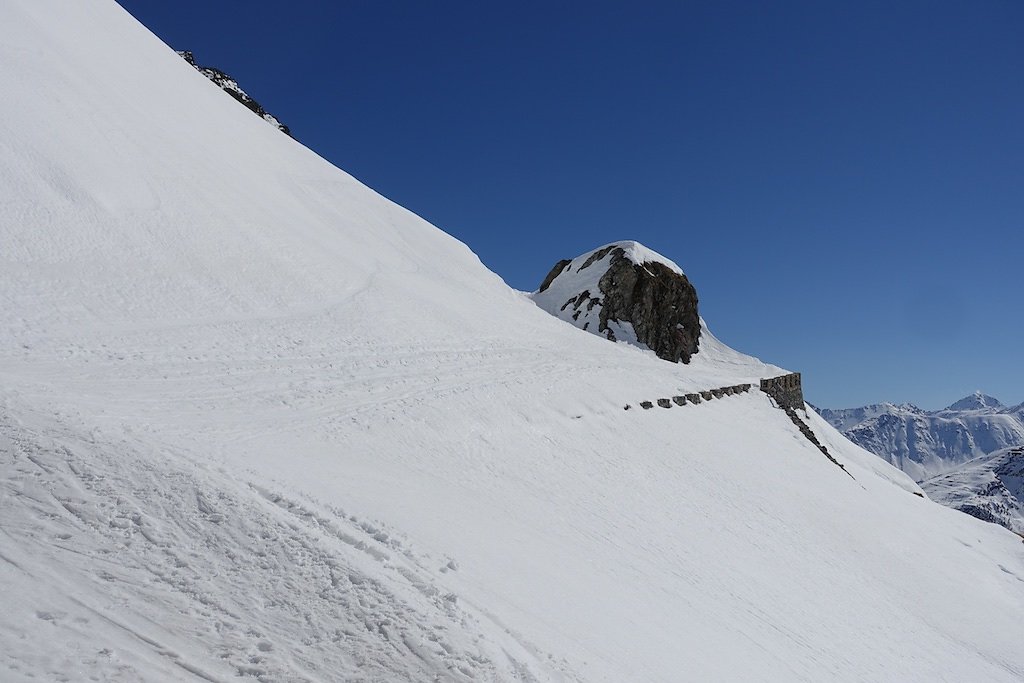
626, 292
230, 86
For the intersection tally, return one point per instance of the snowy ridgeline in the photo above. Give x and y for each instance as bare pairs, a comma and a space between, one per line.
256, 420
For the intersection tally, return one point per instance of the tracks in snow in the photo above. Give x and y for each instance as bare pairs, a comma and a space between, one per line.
145, 565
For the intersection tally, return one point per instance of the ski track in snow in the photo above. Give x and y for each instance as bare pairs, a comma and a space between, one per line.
110, 538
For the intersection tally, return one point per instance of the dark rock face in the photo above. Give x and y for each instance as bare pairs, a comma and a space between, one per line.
230, 86
660, 303
555, 272
623, 292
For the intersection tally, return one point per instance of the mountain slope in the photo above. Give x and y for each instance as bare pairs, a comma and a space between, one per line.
990, 488
256, 419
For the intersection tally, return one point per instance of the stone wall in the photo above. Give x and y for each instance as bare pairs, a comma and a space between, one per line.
785, 389
693, 399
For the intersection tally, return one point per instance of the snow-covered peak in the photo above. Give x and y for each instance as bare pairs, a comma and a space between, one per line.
977, 401
632, 250
640, 254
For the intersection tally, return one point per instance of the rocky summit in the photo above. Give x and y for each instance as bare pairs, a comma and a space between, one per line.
626, 292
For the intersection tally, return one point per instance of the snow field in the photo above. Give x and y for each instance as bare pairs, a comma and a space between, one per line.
256, 420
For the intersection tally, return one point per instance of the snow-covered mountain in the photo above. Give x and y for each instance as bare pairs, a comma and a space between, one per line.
927, 443
256, 420
990, 488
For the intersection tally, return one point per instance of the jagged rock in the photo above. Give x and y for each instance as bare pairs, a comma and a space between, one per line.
707, 395
679, 400
231, 87
664, 403
646, 405
626, 292
693, 398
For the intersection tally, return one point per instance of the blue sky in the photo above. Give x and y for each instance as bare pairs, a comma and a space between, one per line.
843, 182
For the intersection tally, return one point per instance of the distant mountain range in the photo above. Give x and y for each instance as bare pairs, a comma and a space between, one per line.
925, 443
967, 455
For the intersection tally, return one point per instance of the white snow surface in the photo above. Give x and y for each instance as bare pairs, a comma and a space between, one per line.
256, 420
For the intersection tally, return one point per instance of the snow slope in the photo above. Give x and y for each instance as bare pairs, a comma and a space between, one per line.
257, 420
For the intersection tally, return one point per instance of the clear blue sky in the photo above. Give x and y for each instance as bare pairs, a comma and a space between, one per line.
842, 181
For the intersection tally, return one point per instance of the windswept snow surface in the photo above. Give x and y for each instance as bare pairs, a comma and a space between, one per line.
257, 420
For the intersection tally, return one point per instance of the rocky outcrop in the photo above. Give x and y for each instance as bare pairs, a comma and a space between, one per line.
626, 292
230, 86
